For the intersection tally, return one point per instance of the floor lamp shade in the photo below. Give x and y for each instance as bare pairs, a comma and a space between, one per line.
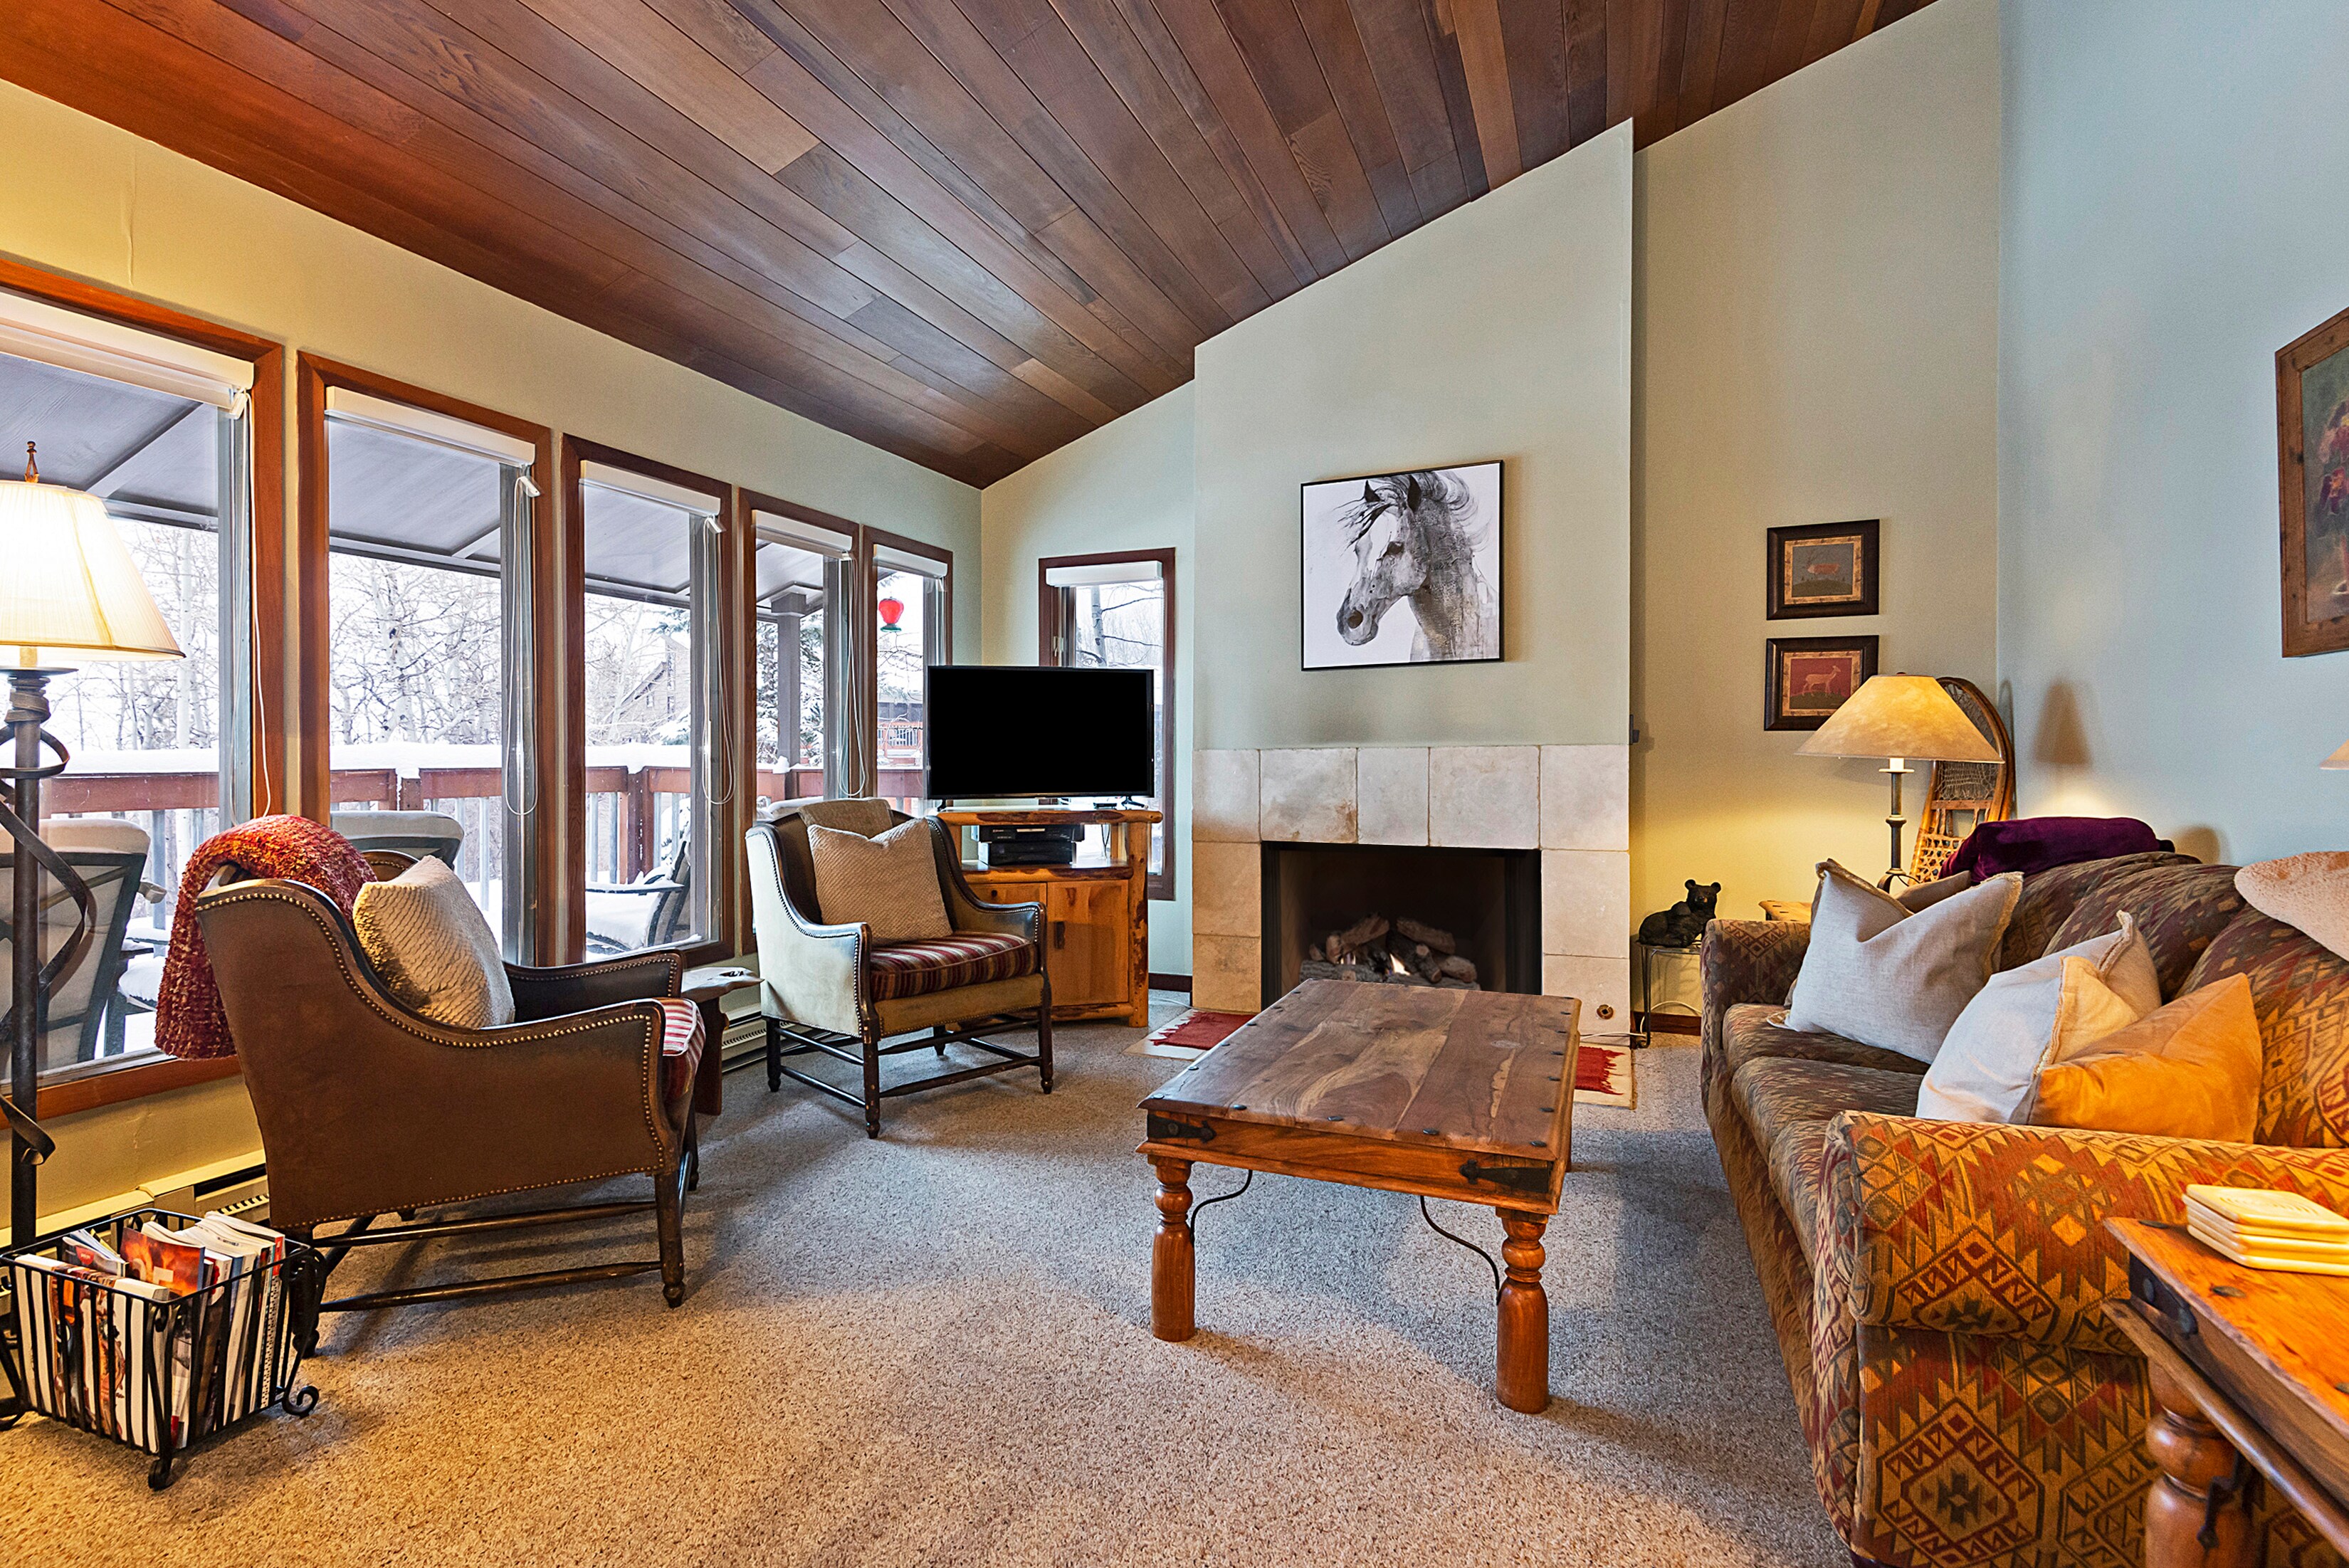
71, 591
1897, 718
1904, 716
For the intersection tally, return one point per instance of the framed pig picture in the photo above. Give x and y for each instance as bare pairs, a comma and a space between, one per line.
2313, 450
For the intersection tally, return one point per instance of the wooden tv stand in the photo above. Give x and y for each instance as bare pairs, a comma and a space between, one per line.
1096, 912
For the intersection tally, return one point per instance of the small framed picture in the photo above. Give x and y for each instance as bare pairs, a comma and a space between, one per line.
1810, 677
1824, 568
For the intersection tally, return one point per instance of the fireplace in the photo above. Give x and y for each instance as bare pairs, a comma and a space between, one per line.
1482, 904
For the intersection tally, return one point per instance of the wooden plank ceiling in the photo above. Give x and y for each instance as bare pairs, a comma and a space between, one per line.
966, 230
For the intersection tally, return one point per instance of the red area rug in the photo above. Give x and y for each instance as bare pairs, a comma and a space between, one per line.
1602, 1074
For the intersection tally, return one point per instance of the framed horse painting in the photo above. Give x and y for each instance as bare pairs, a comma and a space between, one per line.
1403, 568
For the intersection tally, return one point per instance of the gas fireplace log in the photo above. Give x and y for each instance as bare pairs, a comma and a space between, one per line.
1455, 968
1427, 935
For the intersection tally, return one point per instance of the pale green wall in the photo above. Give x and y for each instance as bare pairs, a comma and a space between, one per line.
1126, 486
1817, 341
2172, 217
81, 196
1503, 329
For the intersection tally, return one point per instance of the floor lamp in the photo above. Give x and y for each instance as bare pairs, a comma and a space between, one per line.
70, 592
1898, 717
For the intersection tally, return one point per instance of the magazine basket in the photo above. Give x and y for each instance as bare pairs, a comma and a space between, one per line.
156, 1376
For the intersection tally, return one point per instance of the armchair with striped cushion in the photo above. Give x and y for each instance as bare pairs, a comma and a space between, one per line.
833, 989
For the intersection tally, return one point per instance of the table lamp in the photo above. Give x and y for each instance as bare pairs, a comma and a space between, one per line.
72, 593
1897, 718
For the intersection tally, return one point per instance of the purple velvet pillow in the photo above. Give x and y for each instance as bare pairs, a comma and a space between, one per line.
2029, 844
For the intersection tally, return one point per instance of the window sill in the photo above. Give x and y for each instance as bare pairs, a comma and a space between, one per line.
131, 1082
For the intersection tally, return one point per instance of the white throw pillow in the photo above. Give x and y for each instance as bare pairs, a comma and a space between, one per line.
2034, 1015
1886, 976
434, 948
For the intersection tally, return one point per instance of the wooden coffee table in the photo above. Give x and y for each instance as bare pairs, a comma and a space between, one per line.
1468, 1095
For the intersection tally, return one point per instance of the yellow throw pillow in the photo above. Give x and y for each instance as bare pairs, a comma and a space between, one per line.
2190, 1069
889, 882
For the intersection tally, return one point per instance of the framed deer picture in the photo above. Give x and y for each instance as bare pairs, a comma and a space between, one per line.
1403, 568
1824, 568
1810, 677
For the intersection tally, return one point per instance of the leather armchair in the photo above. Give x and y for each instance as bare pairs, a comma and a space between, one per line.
367, 1108
831, 988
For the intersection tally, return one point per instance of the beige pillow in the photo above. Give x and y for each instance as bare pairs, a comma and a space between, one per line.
2188, 1070
889, 882
2034, 1014
2309, 892
428, 939
1886, 976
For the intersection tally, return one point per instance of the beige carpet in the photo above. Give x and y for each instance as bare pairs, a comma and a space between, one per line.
935, 1349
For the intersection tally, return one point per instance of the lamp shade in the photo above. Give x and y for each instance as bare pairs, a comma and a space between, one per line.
1900, 716
2338, 760
70, 592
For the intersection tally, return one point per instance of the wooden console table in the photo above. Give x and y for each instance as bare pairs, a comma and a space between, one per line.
1096, 912
2249, 1372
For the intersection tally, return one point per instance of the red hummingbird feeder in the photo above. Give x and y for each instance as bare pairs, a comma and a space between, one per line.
890, 610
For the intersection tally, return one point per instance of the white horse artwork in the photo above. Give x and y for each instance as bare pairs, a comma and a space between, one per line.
1428, 540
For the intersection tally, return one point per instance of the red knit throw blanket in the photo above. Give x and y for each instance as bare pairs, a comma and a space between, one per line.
189, 1019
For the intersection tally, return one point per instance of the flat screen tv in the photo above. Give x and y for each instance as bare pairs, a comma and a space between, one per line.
1000, 731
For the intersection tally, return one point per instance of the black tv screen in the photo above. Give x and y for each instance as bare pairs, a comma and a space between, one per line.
995, 730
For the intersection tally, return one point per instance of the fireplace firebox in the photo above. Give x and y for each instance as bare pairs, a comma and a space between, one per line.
1483, 906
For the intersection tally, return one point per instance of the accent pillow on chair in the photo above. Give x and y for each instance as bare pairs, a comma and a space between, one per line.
1886, 976
889, 882
2032, 1015
428, 939
2188, 1070
2309, 892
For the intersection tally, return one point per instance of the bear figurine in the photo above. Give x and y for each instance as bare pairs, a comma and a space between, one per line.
1682, 924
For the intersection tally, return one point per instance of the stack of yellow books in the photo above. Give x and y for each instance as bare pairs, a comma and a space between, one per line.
2267, 1230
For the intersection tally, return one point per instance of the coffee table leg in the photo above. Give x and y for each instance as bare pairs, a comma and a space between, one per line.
1521, 1379
1171, 1272
2193, 1457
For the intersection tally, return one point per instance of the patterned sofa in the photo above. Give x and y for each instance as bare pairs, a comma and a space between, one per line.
1936, 1285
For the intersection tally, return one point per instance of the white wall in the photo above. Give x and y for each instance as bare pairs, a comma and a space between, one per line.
1503, 329
1816, 307
81, 196
1125, 486
2171, 219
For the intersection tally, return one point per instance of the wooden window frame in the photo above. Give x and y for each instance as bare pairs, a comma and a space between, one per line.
748, 504
1051, 623
313, 377
730, 874
866, 607
266, 583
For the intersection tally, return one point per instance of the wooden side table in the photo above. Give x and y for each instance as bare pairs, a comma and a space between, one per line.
708, 987
2248, 1372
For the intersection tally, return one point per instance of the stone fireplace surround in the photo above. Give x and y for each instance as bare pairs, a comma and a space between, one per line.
1572, 803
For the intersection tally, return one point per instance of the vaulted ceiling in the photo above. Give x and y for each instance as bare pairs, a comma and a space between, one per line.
966, 230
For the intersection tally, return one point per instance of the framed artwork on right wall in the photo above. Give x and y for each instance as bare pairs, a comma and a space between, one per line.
2313, 453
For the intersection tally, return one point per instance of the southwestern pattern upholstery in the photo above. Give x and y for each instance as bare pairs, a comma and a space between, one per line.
1936, 1286
918, 968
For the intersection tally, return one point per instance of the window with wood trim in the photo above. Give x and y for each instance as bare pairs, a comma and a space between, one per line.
802, 563
911, 628
663, 747
435, 568
1116, 610
175, 425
